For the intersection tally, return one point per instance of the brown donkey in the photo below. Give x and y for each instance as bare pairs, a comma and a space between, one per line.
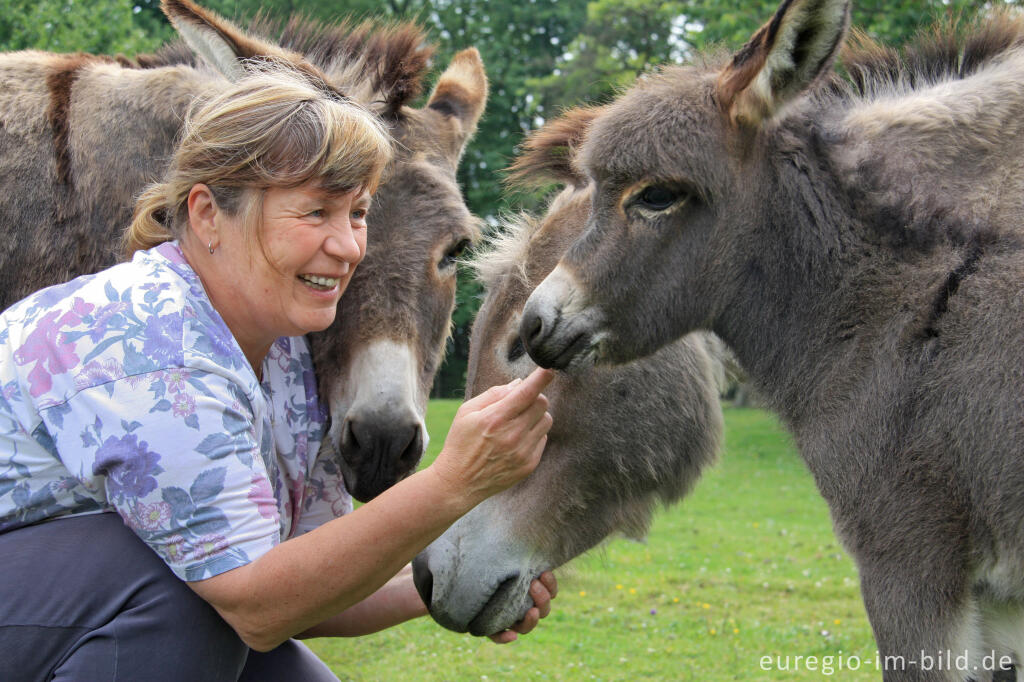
624, 438
857, 243
81, 135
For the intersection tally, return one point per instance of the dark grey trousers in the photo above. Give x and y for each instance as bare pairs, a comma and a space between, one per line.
85, 599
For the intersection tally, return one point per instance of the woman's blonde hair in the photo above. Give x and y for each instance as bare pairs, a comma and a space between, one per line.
274, 128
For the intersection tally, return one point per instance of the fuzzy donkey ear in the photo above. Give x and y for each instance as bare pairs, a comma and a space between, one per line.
785, 57
549, 153
460, 96
219, 41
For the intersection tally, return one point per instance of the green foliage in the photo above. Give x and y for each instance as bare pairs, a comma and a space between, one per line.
76, 25
620, 40
747, 566
732, 22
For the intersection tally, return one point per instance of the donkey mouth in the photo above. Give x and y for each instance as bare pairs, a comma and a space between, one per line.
501, 611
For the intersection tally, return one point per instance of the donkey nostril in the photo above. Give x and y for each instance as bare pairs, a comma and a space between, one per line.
532, 329
516, 350
411, 454
350, 435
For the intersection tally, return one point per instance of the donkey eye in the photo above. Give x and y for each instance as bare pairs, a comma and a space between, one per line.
657, 198
453, 254
516, 350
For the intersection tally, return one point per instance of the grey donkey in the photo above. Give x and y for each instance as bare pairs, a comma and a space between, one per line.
624, 438
857, 242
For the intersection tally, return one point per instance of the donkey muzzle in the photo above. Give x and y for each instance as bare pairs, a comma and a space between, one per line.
379, 450
556, 330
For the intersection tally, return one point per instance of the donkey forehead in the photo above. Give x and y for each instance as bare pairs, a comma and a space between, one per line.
666, 126
417, 184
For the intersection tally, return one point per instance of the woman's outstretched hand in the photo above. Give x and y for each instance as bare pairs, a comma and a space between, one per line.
497, 438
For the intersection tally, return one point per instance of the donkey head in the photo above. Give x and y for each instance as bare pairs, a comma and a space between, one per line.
679, 173
376, 363
623, 438
391, 330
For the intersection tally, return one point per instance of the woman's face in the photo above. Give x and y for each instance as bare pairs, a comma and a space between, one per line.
312, 242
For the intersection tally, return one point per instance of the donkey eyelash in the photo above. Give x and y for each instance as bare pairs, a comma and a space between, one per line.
655, 199
453, 254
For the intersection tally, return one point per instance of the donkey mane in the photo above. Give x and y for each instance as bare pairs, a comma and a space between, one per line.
953, 49
503, 251
392, 58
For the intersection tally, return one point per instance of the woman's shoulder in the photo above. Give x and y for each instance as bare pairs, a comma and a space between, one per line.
123, 321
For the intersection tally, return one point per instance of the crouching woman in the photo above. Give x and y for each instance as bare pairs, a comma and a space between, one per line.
172, 395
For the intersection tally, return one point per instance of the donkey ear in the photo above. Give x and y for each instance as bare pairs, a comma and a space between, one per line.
460, 95
783, 59
219, 41
549, 153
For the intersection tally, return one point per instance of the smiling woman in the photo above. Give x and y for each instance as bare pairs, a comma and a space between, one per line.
311, 241
175, 393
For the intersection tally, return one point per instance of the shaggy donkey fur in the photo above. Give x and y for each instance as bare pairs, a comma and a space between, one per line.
857, 243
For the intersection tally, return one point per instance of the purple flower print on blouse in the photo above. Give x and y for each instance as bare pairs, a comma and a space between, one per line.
53, 295
152, 516
46, 347
263, 496
219, 341
103, 317
184, 404
176, 379
309, 383
129, 465
208, 546
163, 339
95, 373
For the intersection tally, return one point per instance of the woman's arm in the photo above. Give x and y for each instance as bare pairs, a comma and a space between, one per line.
495, 441
398, 601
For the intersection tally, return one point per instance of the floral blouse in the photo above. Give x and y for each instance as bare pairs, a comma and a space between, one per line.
125, 391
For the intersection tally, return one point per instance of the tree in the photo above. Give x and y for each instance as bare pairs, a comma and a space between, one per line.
74, 25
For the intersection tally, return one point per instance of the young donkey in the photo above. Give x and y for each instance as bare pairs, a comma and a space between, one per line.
80, 136
857, 244
624, 438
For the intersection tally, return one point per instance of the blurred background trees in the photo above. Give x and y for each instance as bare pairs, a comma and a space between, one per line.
541, 56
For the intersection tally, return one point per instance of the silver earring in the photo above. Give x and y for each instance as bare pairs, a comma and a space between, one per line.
210, 246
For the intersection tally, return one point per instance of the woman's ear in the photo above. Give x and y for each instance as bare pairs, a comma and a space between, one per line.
202, 212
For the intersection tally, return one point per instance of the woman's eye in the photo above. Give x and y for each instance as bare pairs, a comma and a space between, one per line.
359, 214
657, 198
316, 213
453, 254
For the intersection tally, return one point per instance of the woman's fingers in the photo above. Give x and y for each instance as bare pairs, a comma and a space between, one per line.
490, 396
541, 598
521, 397
547, 578
529, 621
504, 637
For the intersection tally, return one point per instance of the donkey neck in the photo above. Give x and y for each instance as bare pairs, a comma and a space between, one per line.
824, 286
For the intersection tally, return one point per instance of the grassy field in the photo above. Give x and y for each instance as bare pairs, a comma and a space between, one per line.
744, 568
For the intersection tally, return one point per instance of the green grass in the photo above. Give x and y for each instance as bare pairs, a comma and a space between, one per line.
745, 567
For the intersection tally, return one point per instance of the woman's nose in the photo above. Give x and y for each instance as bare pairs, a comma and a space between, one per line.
343, 244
